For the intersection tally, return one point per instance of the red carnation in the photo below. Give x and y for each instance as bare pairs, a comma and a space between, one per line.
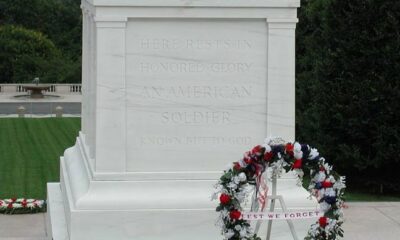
289, 148
268, 156
224, 198
235, 214
10, 205
297, 164
24, 203
13, 199
247, 160
237, 166
327, 184
256, 150
323, 221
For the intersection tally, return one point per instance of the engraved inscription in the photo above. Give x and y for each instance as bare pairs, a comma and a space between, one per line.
195, 117
175, 44
187, 67
195, 140
196, 92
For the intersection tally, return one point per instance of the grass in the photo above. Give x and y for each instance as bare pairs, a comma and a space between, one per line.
30, 150
355, 196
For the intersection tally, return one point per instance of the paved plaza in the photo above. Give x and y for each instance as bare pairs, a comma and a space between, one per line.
71, 104
364, 221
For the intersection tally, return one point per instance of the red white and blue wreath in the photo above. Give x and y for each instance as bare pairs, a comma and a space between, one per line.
242, 177
22, 206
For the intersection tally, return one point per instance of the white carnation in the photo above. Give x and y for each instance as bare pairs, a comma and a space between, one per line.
243, 232
240, 196
17, 205
331, 225
320, 177
313, 153
332, 179
340, 184
236, 179
327, 167
298, 155
297, 147
267, 147
242, 177
238, 227
228, 234
330, 192
30, 205
267, 141
232, 185
324, 206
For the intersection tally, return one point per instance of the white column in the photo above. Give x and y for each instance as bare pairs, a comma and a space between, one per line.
281, 78
110, 90
85, 102
91, 87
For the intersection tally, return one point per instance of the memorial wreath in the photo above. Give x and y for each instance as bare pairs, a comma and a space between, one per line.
245, 176
21, 206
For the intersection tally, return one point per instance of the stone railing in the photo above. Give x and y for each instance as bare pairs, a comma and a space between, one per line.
54, 88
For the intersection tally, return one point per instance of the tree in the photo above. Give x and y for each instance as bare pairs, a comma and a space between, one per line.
59, 20
349, 88
25, 54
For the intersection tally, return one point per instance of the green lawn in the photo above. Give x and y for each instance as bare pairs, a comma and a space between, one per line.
354, 196
30, 149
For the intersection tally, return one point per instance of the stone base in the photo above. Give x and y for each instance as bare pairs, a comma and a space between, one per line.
81, 208
56, 222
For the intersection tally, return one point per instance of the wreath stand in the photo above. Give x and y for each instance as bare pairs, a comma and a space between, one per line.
273, 197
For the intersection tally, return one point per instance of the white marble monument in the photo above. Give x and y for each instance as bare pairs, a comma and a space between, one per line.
173, 90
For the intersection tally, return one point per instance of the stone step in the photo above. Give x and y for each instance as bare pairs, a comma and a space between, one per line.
23, 238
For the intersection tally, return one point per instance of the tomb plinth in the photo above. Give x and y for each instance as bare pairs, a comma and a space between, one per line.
173, 90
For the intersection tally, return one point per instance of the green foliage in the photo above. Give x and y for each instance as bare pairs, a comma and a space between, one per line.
59, 21
30, 151
348, 87
25, 54
22, 211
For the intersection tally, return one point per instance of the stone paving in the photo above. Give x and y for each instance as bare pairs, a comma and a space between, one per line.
23, 227
70, 103
364, 221
373, 221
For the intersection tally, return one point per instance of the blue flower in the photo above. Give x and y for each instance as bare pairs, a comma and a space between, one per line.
318, 185
330, 200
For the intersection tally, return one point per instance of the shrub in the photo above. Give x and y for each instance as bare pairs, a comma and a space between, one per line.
348, 84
